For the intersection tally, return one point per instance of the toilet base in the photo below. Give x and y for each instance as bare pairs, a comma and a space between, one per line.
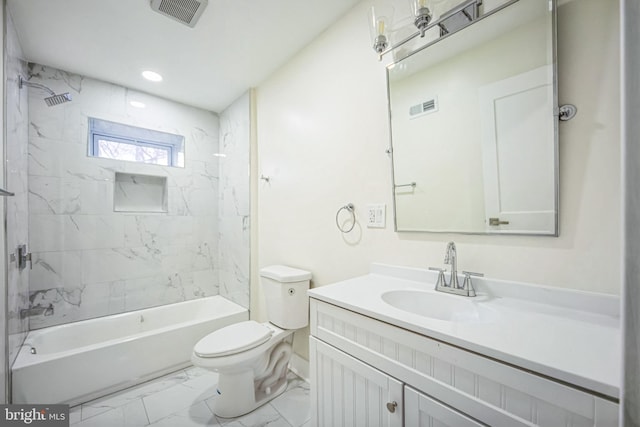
233, 399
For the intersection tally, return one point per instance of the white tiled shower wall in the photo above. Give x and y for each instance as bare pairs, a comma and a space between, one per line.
90, 261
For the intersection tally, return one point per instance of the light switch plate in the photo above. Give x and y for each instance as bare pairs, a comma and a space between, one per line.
376, 216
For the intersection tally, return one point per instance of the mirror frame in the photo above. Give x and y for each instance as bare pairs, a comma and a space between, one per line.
556, 113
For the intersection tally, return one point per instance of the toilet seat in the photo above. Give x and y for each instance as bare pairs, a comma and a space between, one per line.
233, 339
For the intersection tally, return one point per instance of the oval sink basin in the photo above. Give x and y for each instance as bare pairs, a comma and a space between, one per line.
440, 306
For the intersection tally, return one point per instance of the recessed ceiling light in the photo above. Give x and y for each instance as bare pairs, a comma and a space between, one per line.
219, 154
152, 76
137, 104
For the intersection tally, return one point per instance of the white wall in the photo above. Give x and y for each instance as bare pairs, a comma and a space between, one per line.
322, 133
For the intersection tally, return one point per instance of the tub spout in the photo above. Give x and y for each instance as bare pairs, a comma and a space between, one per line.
36, 311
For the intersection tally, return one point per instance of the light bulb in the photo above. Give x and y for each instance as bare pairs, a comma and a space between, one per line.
380, 18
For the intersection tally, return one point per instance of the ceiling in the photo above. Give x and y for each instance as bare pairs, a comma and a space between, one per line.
235, 45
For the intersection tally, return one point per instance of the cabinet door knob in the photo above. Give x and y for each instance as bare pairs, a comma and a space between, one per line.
391, 406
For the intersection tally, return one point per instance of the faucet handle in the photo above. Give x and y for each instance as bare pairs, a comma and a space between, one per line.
441, 282
471, 273
467, 285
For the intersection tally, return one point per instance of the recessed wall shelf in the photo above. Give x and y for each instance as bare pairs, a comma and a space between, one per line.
140, 193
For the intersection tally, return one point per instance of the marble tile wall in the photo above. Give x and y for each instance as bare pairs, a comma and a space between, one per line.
234, 232
88, 260
16, 155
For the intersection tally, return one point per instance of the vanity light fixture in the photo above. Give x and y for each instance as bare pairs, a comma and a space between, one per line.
152, 76
449, 22
422, 15
380, 17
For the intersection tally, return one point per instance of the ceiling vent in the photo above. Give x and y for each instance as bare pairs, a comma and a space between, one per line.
426, 107
185, 11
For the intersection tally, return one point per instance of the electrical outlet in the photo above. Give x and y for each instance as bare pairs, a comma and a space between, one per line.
376, 217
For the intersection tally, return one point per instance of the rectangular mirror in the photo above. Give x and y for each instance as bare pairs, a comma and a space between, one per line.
474, 127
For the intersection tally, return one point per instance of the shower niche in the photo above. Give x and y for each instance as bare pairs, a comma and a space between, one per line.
140, 193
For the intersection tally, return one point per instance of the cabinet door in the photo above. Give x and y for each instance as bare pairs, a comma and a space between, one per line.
422, 411
346, 392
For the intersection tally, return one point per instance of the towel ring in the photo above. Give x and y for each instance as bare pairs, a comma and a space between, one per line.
350, 208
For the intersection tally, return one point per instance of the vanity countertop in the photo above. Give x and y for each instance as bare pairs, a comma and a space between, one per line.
568, 335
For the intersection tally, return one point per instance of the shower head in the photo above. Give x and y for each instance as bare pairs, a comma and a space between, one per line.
52, 100
57, 99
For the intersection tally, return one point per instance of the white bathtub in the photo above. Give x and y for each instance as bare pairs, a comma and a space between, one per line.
80, 361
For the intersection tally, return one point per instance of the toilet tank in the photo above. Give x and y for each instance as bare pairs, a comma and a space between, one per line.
285, 289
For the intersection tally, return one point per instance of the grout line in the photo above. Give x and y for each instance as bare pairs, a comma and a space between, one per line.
146, 413
286, 420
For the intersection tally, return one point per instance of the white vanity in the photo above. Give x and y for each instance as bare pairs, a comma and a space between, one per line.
387, 350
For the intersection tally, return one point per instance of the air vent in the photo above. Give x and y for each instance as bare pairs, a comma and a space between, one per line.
185, 11
426, 107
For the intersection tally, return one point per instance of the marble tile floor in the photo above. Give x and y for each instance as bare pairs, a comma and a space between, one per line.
185, 399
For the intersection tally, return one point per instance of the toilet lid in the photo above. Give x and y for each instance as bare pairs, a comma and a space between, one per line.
233, 339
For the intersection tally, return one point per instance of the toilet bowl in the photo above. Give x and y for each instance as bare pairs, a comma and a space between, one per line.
252, 358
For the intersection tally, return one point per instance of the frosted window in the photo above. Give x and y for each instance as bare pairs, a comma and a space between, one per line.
118, 141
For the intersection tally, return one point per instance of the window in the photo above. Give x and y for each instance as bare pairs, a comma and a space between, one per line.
118, 141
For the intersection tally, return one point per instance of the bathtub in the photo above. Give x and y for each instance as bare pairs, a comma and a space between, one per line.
80, 361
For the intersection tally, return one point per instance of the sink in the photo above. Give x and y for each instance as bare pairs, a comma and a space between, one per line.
440, 306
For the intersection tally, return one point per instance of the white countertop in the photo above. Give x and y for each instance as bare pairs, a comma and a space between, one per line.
568, 335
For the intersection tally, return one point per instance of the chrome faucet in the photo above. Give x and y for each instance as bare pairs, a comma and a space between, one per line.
450, 257
453, 287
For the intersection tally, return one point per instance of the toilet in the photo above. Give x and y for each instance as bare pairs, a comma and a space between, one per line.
252, 358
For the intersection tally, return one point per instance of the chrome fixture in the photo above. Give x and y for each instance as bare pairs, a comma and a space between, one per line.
36, 311
452, 22
5, 193
54, 99
422, 15
453, 287
450, 257
567, 112
380, 17
21, 257
412, 185
449, 22
495, 222
351, 209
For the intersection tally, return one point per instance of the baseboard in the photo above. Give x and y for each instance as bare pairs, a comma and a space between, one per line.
299, 366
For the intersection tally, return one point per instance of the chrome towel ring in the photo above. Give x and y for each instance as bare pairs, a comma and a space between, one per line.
349, 208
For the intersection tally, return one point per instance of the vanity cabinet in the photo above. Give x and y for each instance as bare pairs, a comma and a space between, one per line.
359, 365
351, 393
422, 411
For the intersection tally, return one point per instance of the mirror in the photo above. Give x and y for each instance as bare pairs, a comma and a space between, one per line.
474, 127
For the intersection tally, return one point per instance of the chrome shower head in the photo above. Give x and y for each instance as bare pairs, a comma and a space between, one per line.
52, 100
58, 99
